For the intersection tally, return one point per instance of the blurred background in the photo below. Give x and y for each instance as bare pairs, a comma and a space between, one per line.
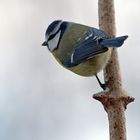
40, 100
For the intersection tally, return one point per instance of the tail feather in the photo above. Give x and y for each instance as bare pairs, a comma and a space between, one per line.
114, 42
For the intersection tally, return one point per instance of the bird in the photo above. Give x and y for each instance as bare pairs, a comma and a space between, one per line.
79, 48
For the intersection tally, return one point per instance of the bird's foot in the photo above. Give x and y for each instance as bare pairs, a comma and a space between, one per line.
103, 86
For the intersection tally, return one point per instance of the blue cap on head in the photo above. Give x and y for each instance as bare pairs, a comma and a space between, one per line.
52, 26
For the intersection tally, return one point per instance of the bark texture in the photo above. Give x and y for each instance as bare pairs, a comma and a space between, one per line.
114, 99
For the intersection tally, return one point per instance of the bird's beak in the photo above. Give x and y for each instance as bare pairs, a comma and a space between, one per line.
45, 43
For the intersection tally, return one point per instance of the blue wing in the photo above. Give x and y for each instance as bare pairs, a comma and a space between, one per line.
93, 43
86, 50
89, 46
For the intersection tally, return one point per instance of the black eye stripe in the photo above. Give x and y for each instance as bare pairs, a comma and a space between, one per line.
53, 35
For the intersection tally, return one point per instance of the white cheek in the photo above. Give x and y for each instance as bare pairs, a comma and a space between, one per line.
54, 42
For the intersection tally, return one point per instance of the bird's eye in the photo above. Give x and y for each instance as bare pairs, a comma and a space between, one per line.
51, 37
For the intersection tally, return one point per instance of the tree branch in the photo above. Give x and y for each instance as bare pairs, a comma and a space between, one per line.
114, 98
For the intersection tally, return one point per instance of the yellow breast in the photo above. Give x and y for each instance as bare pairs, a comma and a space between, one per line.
92, 66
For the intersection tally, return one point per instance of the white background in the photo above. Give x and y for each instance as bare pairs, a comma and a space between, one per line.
40, 100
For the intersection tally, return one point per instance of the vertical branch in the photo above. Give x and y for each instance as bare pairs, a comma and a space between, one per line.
107, 23
114, 98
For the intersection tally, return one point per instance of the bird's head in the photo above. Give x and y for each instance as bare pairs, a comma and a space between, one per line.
53, 35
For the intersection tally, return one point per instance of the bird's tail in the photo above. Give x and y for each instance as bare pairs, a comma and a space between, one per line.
114, 42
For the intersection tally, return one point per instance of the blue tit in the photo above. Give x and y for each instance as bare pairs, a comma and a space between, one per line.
79, 48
